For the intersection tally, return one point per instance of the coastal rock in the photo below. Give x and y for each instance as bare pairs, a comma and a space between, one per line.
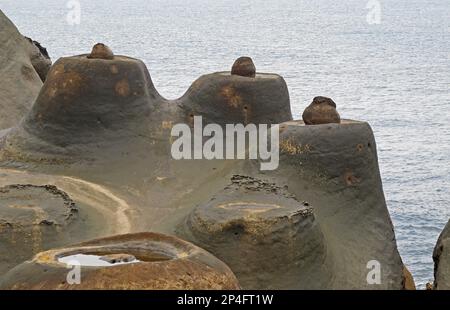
335, 168
164, 263
321, 111
19, 81
244, 66
223, 99
268, 238
100, 125
35, 217
441, 257
89, 104
39, 58
409, 283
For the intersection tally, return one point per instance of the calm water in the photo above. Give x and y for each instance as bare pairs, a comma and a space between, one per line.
395, 74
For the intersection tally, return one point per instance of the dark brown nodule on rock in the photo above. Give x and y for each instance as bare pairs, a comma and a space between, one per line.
244, 66
163, 262
101, 51
321, 111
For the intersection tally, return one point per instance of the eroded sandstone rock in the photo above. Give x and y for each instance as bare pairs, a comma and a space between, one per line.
268, 238
39, 57
110, 129
164, 263
19, 81
32, 218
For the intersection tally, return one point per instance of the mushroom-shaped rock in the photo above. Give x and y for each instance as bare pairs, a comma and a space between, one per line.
101, 51
321, 111
335, 168
162, 262
39, 58
222, 99
268, 238
244, 66
32, 218
87, 101
441, 257
19, 81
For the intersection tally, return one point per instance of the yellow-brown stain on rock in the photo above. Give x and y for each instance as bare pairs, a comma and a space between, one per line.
231, 96
65, 83
122, 88
114, 69
166, 124
351, 179
292, 148
360, 147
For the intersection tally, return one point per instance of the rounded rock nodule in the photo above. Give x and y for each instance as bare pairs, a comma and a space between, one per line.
101, 51
244, 66
162, 262
322, 110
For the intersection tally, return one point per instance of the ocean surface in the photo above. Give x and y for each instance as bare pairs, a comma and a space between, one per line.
395, 74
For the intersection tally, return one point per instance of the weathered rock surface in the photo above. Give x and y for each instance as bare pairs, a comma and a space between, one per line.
39, 212
441, 257
31, 217
19, 81
164, 263
100, 123
321, 111
335, 168
268, 238
39, 58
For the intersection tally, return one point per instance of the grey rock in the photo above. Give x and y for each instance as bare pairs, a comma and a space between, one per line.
19, 81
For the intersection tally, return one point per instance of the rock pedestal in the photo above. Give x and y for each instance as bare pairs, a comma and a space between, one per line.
267, 237
335, 168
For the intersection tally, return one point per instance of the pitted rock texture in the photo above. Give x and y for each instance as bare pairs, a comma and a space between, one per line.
164, 263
